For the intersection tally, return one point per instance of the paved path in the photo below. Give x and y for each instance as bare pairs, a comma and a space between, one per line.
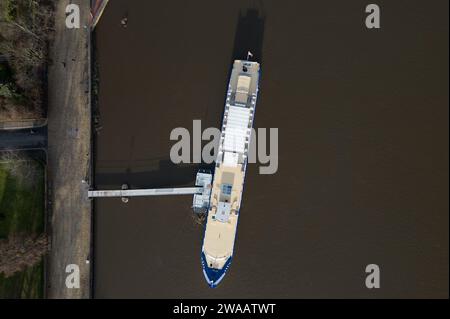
23, 139
69, 154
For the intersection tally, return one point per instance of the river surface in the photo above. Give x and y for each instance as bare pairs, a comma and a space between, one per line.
363, 147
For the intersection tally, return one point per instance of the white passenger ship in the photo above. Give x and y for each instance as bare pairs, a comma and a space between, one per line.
231, 163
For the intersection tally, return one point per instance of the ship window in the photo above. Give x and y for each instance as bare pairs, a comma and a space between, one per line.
226, 189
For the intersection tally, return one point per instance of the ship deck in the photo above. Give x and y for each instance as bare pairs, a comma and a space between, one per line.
231, 164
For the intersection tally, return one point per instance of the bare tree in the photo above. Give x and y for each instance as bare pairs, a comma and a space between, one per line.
25, 30
17, 253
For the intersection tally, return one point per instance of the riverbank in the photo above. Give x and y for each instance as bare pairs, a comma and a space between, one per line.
69, 154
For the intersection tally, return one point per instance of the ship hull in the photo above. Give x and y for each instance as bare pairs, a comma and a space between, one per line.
214, 276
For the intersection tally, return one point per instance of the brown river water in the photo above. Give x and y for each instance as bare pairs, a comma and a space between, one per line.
363, 147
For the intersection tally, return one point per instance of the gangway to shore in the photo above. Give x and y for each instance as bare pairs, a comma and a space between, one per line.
145, 192
201, 192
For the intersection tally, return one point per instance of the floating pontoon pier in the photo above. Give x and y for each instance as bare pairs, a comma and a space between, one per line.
146, 192
201, 192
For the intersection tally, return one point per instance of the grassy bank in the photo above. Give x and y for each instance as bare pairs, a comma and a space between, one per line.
22, 212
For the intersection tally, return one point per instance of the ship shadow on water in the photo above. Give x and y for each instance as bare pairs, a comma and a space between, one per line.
165, 175
249, 35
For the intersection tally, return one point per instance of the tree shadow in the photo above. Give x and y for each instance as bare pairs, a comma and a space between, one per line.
248, 38
167, 174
